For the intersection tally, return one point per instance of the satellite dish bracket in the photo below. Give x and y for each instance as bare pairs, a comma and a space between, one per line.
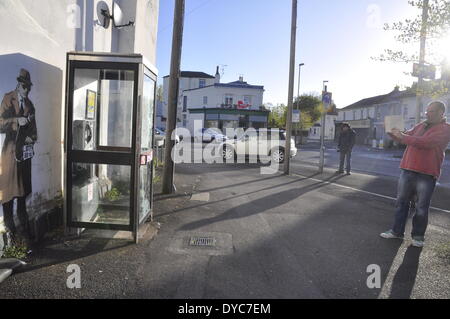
109, 17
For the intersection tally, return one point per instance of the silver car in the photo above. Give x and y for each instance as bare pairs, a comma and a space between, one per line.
262, 143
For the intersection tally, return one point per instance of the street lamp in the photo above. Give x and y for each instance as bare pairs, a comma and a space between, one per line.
299, 69
324, 86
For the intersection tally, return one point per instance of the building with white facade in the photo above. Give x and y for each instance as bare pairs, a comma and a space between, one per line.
206, 102
330, 128
188, 80
368, 116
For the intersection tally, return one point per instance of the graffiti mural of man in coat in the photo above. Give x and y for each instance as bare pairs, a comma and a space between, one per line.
18, 124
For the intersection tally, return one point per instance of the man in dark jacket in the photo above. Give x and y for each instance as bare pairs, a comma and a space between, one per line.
345, 146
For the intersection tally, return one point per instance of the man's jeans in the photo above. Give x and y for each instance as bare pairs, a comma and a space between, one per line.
346, 156
410, 184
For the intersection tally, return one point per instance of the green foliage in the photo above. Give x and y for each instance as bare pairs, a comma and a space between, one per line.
16, 250
113, 195
277, 116
310, 106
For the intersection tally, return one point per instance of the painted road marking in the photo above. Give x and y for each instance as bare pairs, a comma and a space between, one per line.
365, 192
201, 197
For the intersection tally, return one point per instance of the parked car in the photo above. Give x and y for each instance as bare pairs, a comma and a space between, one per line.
259, 143
160, 137
209, 135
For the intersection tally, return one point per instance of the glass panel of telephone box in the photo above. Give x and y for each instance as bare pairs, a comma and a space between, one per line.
102, 121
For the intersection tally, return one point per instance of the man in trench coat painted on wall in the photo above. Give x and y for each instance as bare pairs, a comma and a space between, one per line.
18, 124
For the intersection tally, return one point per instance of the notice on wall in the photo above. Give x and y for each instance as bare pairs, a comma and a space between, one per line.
394, 121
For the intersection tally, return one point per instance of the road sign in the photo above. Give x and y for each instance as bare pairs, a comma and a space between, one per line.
295, 116
326, 98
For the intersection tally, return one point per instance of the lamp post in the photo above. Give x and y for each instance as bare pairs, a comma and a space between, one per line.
298, 99
322, 131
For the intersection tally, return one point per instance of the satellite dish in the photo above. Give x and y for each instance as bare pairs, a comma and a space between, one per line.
117, 15
103, 14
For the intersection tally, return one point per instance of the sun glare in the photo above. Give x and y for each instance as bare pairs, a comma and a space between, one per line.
443, 47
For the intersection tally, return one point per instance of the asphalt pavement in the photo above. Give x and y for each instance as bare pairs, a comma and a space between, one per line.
364, 160
262, 236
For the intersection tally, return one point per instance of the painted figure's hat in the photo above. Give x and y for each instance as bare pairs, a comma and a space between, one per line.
24, 77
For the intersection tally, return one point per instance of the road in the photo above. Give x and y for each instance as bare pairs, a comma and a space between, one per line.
273, 236
365, 159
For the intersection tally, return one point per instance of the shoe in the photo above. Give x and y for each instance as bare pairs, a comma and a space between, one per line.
390, 235
348, 173
339, 172
418, 243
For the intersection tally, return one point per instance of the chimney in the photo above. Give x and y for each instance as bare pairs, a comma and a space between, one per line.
217, 75
241, 78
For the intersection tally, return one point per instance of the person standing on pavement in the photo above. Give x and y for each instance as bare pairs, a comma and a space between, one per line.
420, 169
345, 146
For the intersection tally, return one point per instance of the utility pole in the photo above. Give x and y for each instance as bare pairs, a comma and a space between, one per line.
177, 39
423, 39
287, 153
298, 100
322, 130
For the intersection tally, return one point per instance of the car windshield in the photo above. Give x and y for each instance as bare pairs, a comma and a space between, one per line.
212, 131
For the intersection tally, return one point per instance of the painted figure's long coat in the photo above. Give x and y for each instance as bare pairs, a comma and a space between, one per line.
15, 176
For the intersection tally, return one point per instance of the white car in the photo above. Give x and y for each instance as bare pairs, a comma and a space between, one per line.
209, 135
160, 137
259, 143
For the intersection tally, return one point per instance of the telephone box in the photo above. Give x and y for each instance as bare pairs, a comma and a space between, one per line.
110, 107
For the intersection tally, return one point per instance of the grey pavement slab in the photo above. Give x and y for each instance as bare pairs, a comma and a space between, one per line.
4, 273
277, 237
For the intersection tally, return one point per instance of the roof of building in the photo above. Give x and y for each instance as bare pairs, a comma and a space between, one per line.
380, 99
194, 74
241, 85
236, 84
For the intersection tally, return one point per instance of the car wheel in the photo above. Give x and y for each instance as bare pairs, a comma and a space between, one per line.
228, 153
277, 155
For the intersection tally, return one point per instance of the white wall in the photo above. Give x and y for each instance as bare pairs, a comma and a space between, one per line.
216, 96
36, 35
185, 84
330, 129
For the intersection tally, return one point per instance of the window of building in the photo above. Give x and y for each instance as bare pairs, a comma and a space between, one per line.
344, 115
205, 100
405, 112
247, 100
362, 114
354, 115
228, 99
184, 120
202, 83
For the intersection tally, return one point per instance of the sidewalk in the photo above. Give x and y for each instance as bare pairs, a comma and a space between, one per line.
274, 236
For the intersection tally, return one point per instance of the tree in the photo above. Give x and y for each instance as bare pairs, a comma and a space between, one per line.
277, 116
429, 28
409, 32
310, 107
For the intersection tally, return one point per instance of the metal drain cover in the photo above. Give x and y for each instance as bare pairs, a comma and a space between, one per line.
202, 241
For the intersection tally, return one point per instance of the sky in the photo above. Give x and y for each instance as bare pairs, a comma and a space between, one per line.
336, 40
